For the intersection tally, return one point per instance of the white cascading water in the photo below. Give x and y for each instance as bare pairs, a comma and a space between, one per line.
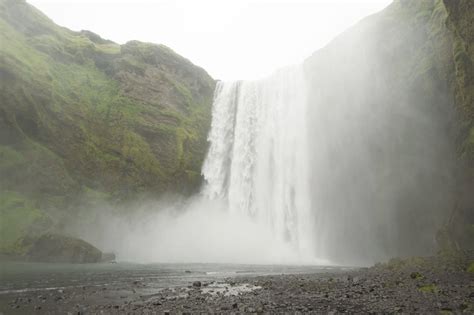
258, 160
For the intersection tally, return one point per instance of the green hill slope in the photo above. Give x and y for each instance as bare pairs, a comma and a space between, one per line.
80, 115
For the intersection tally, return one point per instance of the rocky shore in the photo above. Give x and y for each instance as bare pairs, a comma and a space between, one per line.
416, 285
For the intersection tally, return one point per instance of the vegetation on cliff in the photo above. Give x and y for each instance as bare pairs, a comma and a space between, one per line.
398, 85
459, 21
81, 116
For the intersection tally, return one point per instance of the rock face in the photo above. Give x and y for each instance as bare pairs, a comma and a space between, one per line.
83, 118
391, 99
90, 113
63, 249
108, 257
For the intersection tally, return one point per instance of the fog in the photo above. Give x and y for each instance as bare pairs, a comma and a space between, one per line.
382, 151
345, 159
196, 230
254, 205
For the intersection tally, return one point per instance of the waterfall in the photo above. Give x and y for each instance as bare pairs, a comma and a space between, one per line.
258, 160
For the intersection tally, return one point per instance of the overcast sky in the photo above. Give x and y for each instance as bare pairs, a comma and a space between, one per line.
231, 39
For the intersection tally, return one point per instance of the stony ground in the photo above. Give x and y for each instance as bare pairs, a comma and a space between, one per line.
428, 285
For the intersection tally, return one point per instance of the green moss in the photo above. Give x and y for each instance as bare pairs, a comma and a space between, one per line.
470, 268
416, 276
66, 100
95, 195
10, 159
56, 248
181, 89
429, 288
462, 62
411, 262
17, 58
32, 167
459, 22
468, 145
17, 214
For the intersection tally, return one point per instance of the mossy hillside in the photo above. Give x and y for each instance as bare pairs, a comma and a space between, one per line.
459, 21
28, 166
447, 59
103, 127
20, 217
79, 113
470, 268
387, 78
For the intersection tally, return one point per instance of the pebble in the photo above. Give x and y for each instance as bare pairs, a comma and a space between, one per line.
372, 290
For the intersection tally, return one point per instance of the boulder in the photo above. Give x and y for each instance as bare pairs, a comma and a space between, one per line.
108, 257
59, 248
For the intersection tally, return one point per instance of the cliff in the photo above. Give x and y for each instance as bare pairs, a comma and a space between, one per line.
82, 117
393, 100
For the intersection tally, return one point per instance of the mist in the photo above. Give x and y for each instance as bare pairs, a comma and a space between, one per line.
346, 159
382, 149
196, 230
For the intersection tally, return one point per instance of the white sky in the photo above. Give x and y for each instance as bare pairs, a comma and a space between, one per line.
231, 39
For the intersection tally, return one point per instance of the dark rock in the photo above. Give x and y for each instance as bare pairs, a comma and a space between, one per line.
197, 284
416, 275
65, 249
108, 257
